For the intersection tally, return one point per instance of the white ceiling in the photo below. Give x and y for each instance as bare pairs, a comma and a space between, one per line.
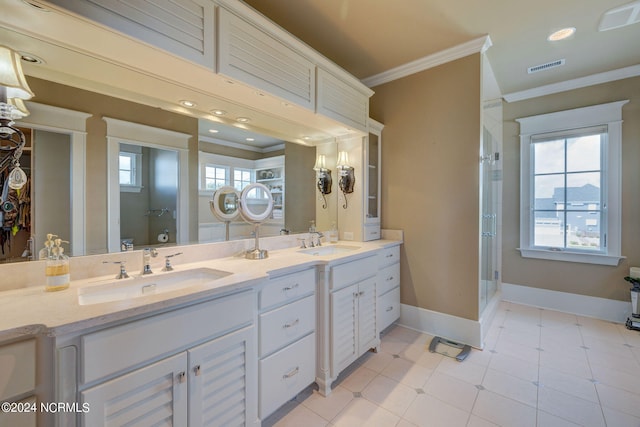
368, 37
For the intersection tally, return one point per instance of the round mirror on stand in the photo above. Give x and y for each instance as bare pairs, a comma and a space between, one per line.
224, 206
256, 204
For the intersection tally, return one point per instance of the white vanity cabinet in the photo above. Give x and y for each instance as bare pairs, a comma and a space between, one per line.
342, 101
388, 286
349, 325
193, 366
287, 338
18, 382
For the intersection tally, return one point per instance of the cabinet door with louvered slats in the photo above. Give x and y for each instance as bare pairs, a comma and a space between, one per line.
154, 395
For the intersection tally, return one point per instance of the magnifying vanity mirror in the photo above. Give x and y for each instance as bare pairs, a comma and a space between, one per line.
225, 206
256, 205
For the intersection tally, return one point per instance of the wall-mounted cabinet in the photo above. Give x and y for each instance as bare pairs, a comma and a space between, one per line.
342, 101
184, 27
372, 164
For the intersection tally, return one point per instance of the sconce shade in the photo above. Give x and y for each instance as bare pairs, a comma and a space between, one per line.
19, 110
320, 163
343, 160
11, 75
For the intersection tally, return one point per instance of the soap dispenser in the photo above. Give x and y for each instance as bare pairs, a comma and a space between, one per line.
333, 233
57, 277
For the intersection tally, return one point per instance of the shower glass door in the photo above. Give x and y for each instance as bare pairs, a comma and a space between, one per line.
489, 272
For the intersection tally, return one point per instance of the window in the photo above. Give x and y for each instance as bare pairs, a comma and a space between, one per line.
130, 171
215, 177
241, 178
570, 185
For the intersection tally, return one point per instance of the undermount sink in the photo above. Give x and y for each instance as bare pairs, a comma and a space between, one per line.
329, 250
124, 289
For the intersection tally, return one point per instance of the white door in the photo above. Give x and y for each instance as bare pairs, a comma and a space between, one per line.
367, 330
222, 381
153, 395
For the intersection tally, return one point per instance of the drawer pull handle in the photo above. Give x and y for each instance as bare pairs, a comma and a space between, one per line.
288, 288
360, 293
390, 256
197, 370
182, 377
292, 373
390, 278
289, 325
389, 308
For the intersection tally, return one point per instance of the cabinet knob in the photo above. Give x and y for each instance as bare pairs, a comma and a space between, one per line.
291, 324
292, 373
182, 377
390, 278
360, 293
390, 308
390, 256
196, 370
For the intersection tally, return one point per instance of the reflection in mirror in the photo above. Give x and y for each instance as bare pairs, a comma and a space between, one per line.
148, 196
256, 205
224, 206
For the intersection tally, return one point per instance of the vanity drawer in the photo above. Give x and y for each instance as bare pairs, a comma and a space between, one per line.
388, 278
388, 308
17, 368
353, 271
287, 288
121, 347
285, 373
388, 256
286, 324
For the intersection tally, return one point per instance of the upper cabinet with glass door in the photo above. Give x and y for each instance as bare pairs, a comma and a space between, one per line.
372, 151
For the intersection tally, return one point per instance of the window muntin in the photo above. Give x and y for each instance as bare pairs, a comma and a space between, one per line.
215, 177
242, 178
568, 189
130, 171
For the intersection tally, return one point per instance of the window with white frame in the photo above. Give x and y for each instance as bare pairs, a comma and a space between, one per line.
242, 178
570, 185
130, 171
215, 177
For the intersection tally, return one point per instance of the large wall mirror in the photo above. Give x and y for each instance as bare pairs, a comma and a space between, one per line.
75, 80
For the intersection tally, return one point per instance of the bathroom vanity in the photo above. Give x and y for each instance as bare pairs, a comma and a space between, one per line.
216, 340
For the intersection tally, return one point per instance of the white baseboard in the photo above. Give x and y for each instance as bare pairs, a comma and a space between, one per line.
458, 329
600, 308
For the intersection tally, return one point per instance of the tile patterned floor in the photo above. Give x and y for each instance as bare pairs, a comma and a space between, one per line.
539, 368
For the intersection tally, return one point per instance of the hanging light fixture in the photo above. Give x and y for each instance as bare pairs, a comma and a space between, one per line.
13, 90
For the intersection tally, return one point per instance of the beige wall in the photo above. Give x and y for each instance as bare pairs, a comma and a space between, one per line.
96, 166
584, 279
430, 182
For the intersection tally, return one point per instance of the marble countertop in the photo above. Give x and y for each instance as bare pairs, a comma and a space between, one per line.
32, 311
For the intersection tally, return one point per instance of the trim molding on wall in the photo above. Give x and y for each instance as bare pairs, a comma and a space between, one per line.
594, 79
479, 45
444, 325
582, 305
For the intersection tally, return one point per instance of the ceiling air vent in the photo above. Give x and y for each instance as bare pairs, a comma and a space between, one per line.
620, 16
546, 66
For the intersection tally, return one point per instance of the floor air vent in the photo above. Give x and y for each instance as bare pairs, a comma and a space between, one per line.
548, 65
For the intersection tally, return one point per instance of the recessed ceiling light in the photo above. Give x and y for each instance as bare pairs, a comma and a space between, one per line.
28, 57
187, 103
218, 112
243, 119
214, 130
562, 34
306, 138
250, 139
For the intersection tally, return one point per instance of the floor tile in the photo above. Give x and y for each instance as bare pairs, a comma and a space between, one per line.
361, 412
583, 388
503, 411
376, 361
330, 406
465, 371
620, 400
620, 419
299, 416
511, 387
514, 366
571, 408
390, 394
451, 390
358, 379
407, 373
547, 420
426, 410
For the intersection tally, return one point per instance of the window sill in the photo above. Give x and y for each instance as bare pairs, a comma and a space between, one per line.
571, 256
130, 189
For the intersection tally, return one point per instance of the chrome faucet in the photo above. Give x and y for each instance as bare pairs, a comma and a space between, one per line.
123, 273
312, 241
167, 261
147, 254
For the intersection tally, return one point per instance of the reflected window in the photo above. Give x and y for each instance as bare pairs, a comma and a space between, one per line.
242, 178
130, 171
215, 177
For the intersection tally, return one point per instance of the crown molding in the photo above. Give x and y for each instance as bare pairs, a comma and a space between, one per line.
594, 79
479, 45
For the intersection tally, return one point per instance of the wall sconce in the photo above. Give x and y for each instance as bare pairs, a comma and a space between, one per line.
324, 178
13, 89
347, 175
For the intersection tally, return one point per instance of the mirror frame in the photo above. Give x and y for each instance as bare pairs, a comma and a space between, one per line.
246, 213
215, 203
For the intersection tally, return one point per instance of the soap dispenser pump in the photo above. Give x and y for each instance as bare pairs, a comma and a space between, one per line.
57, 277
